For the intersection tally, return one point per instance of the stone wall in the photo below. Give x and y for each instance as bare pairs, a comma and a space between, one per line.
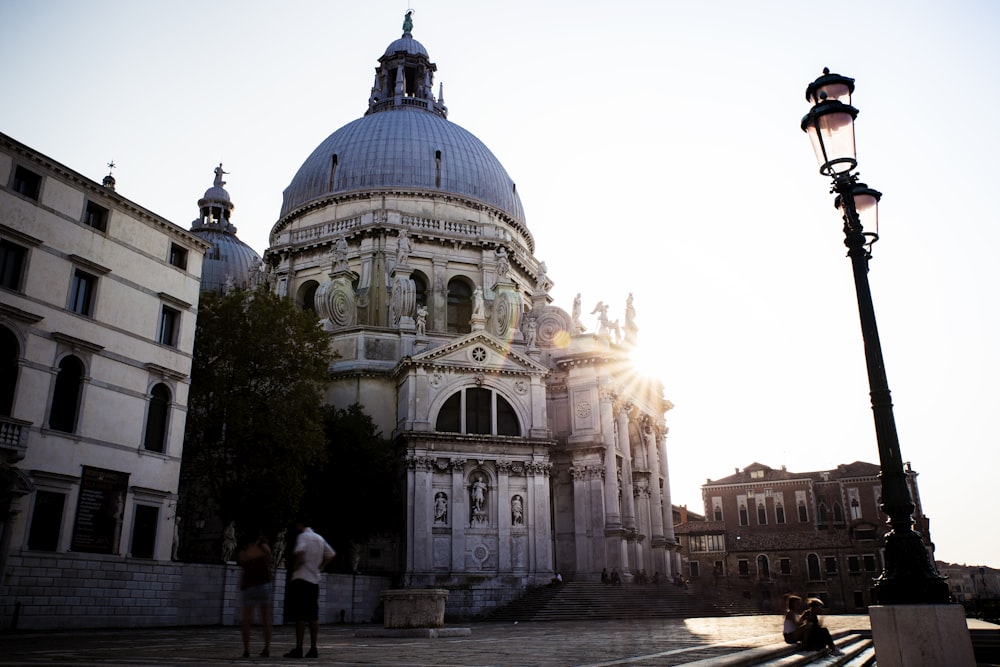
70, 590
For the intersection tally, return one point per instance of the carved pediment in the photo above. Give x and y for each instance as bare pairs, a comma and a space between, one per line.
478, 352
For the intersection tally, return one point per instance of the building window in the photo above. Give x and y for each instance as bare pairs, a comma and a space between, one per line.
46, 521
761, 514
156, 419
821, 511
831, 564
169, 321
744, 518
178, 256
756, 474
695, 569
870, 564
812, 567
803, 513
96, 216
10, 352
718, 513
307, 295
743, 567
66, 396
855, 509
779, 513
867, 533
838, 513
478, 411
459, 306
27, 183
144, 531
12, 258
81, 293
854, 565
785, 565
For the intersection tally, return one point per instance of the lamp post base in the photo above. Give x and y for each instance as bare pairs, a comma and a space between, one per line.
910, 576
919, 635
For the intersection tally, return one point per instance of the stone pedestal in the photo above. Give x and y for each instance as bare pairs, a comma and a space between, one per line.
921, 635
414, 608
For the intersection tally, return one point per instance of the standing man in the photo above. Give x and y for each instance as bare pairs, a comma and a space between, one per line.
312, 553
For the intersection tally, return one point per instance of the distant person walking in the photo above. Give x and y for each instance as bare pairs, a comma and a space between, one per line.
312, 553
255, 591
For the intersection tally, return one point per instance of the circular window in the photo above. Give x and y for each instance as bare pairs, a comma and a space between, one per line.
479, 354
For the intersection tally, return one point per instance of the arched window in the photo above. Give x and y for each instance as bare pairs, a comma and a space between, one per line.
822, 512
761, 514
420, 290
812, 566
156, 419
479, 411
803, 512
838, 513
9, 353
307, 295
855, 509
718, 513
744, 518
66, 397
763, 567
779, 513
459, 306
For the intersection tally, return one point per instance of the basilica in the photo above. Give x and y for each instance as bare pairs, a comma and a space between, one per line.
533, 446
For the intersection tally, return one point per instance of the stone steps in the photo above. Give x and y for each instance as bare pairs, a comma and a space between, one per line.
857, 647
596, 601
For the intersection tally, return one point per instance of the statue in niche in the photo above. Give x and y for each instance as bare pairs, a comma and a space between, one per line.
402, 249
441, 507
278, 553
228, 542
422, 320
478, 304
477, 494
516, 511
503, 264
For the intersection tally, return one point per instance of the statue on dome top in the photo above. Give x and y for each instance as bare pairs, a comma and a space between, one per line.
218, 176
408, 22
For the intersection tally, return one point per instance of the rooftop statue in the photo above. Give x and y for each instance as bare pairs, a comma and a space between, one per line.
408, 22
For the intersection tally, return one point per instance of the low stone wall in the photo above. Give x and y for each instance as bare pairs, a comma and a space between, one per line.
58, 591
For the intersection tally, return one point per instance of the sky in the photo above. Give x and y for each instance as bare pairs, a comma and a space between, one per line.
657, 150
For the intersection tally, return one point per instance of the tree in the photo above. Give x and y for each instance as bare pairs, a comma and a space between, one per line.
358, 492
255, 418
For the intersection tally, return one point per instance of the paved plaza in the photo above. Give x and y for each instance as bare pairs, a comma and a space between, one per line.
643, 643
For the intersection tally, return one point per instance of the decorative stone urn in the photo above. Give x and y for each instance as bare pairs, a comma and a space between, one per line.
414, 607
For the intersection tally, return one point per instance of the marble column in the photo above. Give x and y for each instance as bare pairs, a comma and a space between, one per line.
659, 561
459, 514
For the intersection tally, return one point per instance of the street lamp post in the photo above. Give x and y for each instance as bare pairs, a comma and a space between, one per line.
908, 575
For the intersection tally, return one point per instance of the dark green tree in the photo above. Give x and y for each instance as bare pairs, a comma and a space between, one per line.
358, 492
255, 416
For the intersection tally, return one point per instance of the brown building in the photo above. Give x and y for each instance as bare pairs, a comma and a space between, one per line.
770, 531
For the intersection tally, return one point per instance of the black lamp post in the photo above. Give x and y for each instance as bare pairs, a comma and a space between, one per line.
909, 575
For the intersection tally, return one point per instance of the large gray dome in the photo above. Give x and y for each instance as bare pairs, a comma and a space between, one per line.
404, 148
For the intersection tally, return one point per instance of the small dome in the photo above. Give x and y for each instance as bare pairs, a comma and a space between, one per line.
216, 193
406, 44
230, 261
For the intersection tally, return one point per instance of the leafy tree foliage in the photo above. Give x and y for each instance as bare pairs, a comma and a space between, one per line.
358, 493
255, 416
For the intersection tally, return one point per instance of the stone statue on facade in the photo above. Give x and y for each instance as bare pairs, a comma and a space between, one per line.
477, 495
516, 511
630, 328
543, 283
531, 334
402, 248
422, 321
441, 507
408, 22
218, 176
605, 325
577, 307
229, 542
478, 303
503, 264
339, 255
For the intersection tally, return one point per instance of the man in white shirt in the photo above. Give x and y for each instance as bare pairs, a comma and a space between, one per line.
312, 553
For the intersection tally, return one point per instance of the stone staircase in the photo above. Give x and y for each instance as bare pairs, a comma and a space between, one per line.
576, 601
858, 651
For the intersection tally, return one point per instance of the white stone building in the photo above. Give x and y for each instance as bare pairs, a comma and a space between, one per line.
97, 319
532, 444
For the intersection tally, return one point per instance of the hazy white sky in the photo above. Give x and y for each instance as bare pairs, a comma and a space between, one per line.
657, 150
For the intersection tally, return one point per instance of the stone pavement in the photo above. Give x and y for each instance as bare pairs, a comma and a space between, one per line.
641, 643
